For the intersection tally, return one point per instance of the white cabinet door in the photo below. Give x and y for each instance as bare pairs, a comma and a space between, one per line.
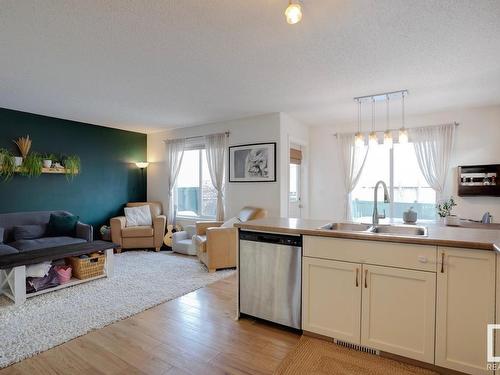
331, 298
465, 305
398, 311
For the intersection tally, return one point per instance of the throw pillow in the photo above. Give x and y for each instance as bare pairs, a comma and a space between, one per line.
230, 223
137, 216
29, 232
62, 225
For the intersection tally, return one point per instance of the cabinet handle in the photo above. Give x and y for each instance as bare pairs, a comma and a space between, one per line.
366, 278
357, 277
442, 262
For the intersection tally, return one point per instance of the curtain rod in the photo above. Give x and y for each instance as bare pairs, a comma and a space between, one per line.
197, 136
393, 130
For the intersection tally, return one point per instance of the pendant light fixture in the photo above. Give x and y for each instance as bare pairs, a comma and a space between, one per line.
359, 138
403, 132
293, 12
388, 133
372, 138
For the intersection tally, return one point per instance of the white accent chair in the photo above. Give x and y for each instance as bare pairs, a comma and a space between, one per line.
182, 242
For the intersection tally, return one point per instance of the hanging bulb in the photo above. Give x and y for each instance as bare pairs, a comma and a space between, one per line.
293, 13
359, 139
373, 139
403, 132
388, 133
388, 138
403, 135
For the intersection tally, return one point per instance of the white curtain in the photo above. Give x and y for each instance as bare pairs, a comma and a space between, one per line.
216, 157
352, 160
173, 159
433, 145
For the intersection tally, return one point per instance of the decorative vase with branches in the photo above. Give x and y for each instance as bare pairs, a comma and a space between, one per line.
24, 145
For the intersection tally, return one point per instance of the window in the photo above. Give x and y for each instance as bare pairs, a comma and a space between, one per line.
398, 168
195, 196
294, 194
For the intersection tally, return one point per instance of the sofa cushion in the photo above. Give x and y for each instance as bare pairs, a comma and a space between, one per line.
42, 243
6, 249
155, 207
29, 232
200, 242
62, 225
138, 216
138, 231
10, 220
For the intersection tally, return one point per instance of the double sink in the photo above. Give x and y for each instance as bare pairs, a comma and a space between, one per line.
388, 230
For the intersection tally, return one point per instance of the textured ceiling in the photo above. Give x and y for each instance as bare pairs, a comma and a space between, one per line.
147, 65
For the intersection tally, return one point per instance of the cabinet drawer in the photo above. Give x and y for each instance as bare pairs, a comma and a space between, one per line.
418, 257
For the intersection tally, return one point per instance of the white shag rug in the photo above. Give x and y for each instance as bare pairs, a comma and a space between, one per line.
141, 280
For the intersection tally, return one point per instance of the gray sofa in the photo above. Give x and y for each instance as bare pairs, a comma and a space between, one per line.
37, 221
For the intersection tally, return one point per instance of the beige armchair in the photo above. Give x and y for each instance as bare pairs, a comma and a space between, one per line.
140, 237
216, 246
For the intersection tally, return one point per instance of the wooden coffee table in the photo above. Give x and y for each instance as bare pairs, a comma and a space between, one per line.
13, 267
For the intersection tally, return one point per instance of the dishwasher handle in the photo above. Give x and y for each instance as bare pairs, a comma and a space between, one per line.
272, 238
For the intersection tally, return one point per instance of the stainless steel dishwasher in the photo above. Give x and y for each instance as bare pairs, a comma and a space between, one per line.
270, 273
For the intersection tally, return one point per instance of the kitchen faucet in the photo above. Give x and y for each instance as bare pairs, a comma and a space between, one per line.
387, 199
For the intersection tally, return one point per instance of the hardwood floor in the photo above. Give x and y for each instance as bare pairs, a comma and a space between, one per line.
193, 334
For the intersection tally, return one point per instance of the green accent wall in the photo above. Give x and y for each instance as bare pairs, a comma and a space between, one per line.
108, 178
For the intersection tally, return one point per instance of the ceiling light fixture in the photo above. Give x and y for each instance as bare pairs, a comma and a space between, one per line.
359, 138
388, 133
403, 132
372, 138
293, 12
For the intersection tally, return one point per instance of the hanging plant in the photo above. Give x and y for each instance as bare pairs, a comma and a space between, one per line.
24, 145
7, 165
72, 165
32, 165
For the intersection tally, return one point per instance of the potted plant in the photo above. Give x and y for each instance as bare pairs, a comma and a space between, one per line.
3, 151
24, 145
7, 165
444, 211
32, 165
72, 165
48, 159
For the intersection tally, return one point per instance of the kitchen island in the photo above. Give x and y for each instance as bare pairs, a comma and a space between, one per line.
428, 298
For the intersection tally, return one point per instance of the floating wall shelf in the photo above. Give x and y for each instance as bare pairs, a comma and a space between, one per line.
50, 170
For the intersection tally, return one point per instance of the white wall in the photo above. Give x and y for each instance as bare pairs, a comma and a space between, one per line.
264, 128
292, 131
477, 142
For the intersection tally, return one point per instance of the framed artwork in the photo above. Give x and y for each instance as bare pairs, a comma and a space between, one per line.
252, 163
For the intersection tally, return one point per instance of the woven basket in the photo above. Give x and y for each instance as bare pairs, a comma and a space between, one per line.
88, 267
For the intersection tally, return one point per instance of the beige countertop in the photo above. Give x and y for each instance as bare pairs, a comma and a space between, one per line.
462, 236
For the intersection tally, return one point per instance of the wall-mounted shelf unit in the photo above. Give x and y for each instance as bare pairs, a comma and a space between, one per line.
49, 170
479, 180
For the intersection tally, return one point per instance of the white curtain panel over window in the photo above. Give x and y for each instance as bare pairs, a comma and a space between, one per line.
433, 145
174, 151
216, 146
352, 159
